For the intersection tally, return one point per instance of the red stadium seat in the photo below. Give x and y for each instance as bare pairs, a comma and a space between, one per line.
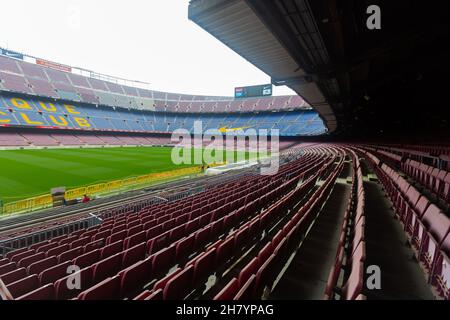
38, 245
13, 253
25, 262
204, 265
180, 285
118, 230
246, 291
202, 237
143, 295
23, 286
177, 233
135, 239
228, 222
87, 259
111, 249
439, 228
107, 267
161, 283
48, 246
14, 275
277, 239
70, 254
133, 255
64, 240
94, 245
46, 292
241, 238
265, 252
354, 284
54, 273
155, 295
184, 247
265, 275
107, 289
225, 251
158, 243
135, 277
101, 235
168, 225
81, 242
41, 265
192, 226
6, 268
163, 260
153, 232
251, 268
182, 219
65, 288
133, 230
229, 291
216, 228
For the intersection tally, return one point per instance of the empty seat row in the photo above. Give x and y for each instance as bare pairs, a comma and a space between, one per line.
345, 280
261, 271
426, 226
217, 254
436, 180
89, 253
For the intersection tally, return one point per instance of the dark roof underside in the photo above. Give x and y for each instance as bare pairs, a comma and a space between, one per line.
365, 83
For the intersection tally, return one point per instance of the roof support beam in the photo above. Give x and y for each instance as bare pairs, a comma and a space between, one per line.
270, 15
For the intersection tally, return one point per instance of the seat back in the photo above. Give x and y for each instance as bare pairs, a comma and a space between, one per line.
132, 255
87, 259
46, 292
39, 266
135, 277
65, 287
248, 270
353, 286
246, 291
229, 291
54, 273
14, 275
180, 285
23, 286
108, 289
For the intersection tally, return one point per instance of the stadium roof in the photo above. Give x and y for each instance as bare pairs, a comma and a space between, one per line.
363, 82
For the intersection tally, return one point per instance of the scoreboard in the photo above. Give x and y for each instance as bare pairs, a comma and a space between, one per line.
253, 91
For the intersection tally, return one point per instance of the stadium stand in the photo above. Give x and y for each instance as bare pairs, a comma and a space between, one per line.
426, 225
179, 228
231, 241
23, 77
351, 247
41, 113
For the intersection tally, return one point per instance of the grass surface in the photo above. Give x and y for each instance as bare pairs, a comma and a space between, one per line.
29, 173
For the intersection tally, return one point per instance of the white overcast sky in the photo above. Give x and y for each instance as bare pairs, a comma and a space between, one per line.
146, 40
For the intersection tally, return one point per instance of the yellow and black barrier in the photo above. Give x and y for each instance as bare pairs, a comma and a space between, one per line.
46, 201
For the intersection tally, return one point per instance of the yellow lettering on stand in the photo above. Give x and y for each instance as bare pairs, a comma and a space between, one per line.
20, 104
51, 107
71, 109
62, 122
82, 122
27, 120
4, 120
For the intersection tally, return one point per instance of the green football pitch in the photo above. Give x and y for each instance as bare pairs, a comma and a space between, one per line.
29, 173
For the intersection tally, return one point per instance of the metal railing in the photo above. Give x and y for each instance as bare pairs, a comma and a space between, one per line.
47, 234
